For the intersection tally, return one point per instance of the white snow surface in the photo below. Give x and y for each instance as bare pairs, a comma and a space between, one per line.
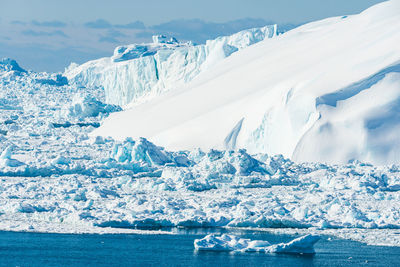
139, 72
213, 242
327, 91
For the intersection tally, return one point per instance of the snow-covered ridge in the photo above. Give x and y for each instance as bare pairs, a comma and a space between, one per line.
138, 72
306, 94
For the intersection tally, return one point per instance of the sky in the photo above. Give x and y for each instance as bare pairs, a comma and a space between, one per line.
47, 35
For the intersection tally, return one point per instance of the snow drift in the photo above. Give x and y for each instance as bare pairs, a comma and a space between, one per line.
327, 91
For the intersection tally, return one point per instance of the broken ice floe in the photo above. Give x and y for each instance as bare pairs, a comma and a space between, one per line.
212, 242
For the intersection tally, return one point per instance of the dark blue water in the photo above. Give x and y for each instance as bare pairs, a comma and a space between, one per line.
36, 249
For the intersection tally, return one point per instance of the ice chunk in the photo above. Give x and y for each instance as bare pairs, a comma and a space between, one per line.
162, 39
7, 152
301, 245
159, 39
61, 160
212, 242
99, 140
87, 106
146, 152
6, 159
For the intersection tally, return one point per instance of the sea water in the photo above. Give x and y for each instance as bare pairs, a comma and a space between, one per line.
43, 249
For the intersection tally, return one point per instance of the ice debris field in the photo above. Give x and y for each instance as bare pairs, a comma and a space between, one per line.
320, 156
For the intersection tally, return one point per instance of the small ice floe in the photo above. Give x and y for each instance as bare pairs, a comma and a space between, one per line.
212, 242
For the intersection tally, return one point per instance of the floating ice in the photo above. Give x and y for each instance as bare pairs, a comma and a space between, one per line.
212, 242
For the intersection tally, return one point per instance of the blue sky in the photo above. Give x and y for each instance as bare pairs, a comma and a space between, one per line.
46, 35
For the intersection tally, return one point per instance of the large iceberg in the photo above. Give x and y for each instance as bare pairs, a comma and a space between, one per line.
141, 71
327, 91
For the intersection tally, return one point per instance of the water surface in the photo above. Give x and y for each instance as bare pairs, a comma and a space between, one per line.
39, 249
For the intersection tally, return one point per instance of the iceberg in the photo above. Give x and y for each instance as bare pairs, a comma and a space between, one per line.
305, 94
212, 242
138, 72
10, 65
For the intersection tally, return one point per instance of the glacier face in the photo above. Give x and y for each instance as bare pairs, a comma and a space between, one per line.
138, 72
306, 94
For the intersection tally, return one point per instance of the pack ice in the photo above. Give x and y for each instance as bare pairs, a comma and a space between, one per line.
57, 174
327, 91
55, 178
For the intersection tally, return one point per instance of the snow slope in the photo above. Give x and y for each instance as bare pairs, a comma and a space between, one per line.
139, 72
327, 91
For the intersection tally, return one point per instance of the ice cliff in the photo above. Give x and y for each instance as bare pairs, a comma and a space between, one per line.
141, 71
